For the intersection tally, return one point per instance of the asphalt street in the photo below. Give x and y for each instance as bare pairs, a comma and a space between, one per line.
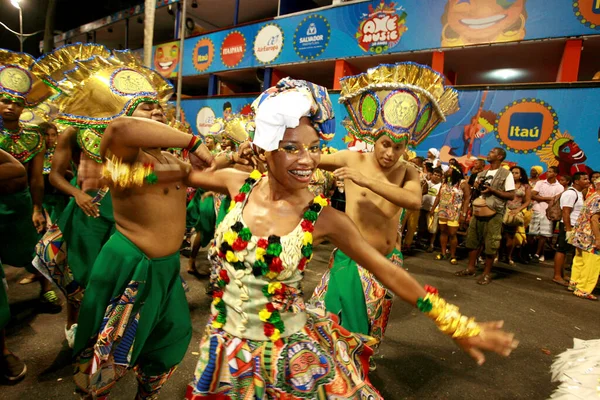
415, 360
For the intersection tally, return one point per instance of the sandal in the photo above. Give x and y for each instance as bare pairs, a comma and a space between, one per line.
511, 262
572, 286
561, 282
584, 295
440, 257
453, 261
429, 249
485, 279
464, 272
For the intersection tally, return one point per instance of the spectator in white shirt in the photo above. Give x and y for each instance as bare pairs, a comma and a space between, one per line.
541, 228
571, 202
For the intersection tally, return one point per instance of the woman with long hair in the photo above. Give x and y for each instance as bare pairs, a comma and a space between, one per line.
515, 210
453, 202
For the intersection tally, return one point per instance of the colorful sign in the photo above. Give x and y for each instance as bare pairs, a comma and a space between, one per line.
233, 49
204, 52
205, 118
268, 43
166, 59
381, 29
361, 28
312, 37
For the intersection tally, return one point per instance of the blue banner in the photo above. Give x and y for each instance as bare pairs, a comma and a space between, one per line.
536, 127
381, 27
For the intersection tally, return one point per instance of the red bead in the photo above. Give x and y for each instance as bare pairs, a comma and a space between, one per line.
218, 293
262, 243
239, 244
276, 265
223, 275
269, 329
270, 307
431, 289
240, 197
307, 226
302, 264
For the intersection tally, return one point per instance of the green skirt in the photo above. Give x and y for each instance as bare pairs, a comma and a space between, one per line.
54, 204
134, 312
17, 233
351, 292
201, 215
4, 308
85, 235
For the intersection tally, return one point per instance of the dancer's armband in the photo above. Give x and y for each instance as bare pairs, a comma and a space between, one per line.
124, 175
447, 316
195, 142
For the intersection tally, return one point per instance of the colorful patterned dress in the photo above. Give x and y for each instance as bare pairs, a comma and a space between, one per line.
451, 201
261, 342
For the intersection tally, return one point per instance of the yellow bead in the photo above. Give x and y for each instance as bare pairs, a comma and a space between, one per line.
264, 315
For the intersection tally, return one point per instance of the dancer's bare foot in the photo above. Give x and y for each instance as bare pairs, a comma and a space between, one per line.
29, 278
192, 267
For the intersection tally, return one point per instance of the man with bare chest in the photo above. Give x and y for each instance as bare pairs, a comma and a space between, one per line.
378, 184
22, 212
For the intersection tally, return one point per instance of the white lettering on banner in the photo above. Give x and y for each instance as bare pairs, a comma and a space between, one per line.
309, 39
381, 29
233, 50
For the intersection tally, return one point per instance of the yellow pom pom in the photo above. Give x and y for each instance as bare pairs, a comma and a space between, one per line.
260, 252
271, 275
231, 205
255, 175
231, 258
273, 286
264, 315
230, 237
276, 335
216, 324
308, 238
216, 300
321, 201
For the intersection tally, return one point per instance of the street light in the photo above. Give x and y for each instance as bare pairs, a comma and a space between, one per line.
17, 5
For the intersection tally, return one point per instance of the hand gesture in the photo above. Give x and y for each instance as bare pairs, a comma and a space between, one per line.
84, 201
352, 174
39, 221
491, 338
203, 155
245, 152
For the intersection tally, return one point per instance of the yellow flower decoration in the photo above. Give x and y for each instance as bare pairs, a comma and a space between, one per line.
276, 335
216, 324
273, 286
264, 315
216, 300
231, 258
230, 237
321, 201
260, 252
231, 205
308, 238
255, 175
271, 275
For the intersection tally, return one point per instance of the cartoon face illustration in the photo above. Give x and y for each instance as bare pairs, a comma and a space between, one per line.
306, 367
482, 21
571, 153
166, 58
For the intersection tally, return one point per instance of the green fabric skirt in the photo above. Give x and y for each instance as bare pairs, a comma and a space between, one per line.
85, 235
17, 233
134, 312
4, 308
201, 215
54, 204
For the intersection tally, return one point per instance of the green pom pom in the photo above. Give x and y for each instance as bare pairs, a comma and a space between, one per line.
274, 249
311, 215
245, 188
275, 318
151, 179
307, 250
245, 234
221, 318
221, 283
424, 305
265, 291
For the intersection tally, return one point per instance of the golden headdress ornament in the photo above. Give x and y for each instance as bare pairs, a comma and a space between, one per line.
404, 101
52, 66
238, 128
43, 112
100, 89
549, 154
18, 82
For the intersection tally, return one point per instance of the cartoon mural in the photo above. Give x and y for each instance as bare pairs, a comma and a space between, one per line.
166, 57
466, 22
565, 154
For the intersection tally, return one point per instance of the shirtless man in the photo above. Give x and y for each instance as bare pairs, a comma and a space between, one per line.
27, 146
13, 179
378, 186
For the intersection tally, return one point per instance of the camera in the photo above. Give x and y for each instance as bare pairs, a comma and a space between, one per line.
485, 183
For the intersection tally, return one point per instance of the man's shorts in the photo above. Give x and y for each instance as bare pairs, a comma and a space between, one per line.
562, 246
487, 231
540, 225
452, 224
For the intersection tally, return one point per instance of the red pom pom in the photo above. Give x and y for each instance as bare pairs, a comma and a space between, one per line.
302, 264
223, 275
221, 254
239, 244
431, 289
269, 329
276, 265
239, 197
218, 293
307, 226
280, 291
262, 243
270, 307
